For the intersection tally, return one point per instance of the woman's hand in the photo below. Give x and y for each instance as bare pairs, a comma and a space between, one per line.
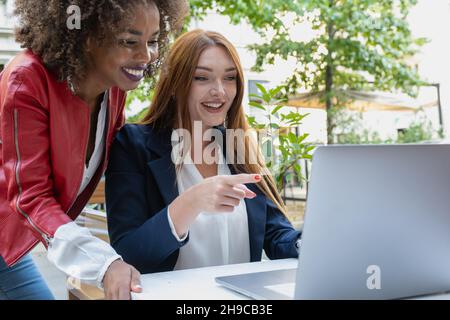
215, 194
120, 279
221, 193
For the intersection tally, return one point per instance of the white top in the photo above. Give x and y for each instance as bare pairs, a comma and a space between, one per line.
73, 249
97, 154
214, 238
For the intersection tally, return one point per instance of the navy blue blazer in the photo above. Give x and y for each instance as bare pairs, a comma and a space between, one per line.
140, 185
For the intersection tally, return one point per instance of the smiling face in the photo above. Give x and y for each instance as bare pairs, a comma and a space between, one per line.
122, 62
213, 87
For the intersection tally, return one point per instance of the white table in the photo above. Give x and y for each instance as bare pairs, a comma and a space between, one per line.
199, 284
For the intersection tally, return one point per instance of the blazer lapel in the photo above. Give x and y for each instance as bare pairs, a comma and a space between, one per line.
163, 168
256, 215
256, 212
164, 172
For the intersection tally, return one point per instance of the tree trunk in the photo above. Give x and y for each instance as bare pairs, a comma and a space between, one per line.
329, 103
329, 81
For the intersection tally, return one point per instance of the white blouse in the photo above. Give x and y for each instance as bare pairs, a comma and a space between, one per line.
214, 238
97, 154
73, 249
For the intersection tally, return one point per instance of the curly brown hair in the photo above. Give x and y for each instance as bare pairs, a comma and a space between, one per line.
43, 30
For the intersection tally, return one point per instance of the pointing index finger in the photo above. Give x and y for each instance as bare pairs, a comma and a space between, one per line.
243, 178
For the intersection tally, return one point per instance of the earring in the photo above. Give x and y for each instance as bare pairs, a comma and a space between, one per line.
71, 85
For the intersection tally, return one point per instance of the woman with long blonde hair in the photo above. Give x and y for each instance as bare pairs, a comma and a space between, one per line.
176, 192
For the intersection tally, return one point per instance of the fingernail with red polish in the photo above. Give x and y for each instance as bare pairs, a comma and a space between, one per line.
258, 177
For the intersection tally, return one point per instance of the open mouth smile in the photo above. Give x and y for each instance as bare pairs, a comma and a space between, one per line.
134, 74
213, 107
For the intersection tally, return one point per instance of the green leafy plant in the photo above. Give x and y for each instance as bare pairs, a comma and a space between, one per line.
281, 148
421, 129
350, 129
143, 94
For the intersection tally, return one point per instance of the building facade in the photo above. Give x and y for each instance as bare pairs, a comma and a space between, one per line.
8, 47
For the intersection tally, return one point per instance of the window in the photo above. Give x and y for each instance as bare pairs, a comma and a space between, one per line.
253, 89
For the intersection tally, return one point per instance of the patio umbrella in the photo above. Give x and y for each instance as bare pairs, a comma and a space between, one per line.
428, 97
373, 100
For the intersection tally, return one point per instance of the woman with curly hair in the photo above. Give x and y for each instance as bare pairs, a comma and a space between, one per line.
61, 103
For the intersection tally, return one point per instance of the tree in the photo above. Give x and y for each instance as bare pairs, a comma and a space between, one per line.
358, 44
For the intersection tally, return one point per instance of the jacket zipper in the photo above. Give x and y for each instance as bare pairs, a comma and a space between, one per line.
45, 236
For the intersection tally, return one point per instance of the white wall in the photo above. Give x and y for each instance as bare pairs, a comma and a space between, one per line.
431, 19
8, 47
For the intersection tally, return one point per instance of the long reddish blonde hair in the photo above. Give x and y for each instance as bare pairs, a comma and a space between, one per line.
169, 107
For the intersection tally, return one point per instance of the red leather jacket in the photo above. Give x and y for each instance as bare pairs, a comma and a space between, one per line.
43, 142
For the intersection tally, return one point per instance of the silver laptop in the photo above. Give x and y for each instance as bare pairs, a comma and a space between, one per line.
377, 226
